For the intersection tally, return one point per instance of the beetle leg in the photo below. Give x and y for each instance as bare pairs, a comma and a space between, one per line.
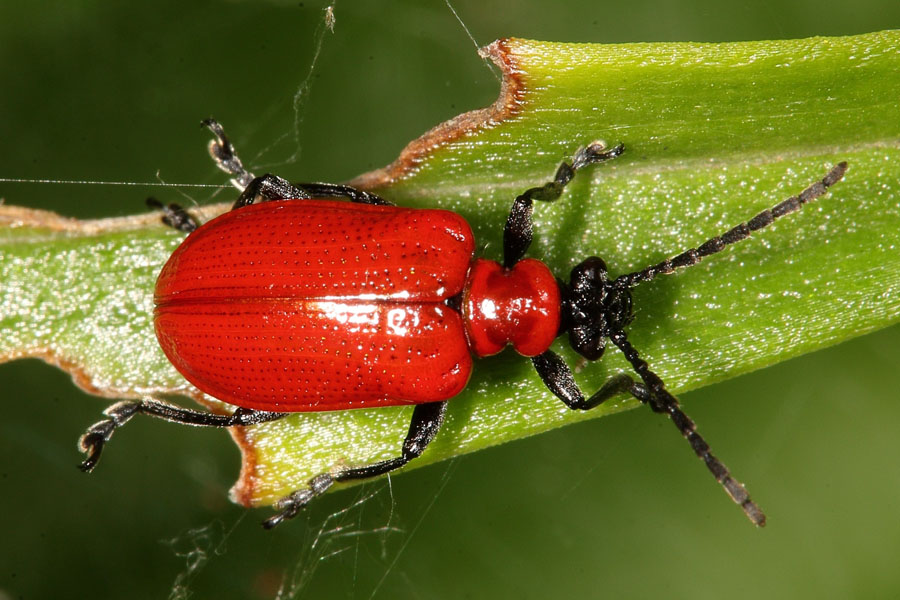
335, 190
92, 442
274, 188
175, 216
518, 232
222, 152
269, 188
558, 378
425, 423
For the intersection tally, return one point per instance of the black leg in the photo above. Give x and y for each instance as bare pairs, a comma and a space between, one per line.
269, 188
92, 442
558, 378
519, 229
223, 153
334, 190
175, 216
425, 423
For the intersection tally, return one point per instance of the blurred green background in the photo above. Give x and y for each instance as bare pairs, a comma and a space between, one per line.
614, 507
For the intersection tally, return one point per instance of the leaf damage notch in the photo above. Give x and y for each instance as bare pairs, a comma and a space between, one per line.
508, 104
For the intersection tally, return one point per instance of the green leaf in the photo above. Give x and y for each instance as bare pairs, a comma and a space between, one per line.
714, 134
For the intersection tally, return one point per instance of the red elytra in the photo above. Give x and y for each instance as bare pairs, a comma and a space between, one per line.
319, 305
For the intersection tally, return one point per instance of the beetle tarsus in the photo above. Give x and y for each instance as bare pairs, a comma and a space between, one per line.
174, 215
289, 506
92, 445
596, 152
93, 440
519, 229
222, 152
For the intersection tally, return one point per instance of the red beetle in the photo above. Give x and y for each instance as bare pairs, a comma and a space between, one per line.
294, 302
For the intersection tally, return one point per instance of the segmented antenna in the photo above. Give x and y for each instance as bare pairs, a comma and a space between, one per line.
717, 244
653, 392
660, 400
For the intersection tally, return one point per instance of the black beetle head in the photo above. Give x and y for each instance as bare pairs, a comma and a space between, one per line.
593, 307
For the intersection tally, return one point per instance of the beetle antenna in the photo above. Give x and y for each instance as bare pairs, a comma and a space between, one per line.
718, 243
660, 400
